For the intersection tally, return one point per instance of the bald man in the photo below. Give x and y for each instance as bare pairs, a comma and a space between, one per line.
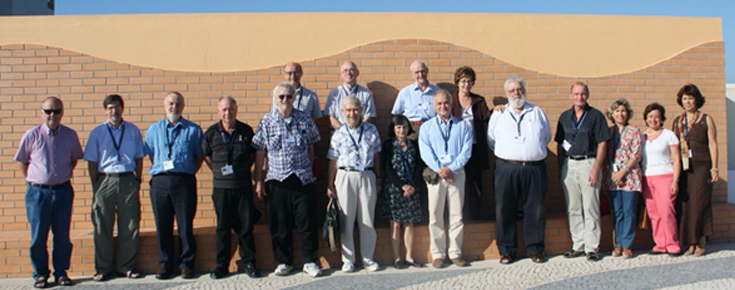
333, 107
414, 100
174, 146
305, 100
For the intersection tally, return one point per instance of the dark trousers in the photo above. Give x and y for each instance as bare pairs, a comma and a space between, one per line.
527, 183
233, 207
288, 202
49, 209
174, 194
473, 183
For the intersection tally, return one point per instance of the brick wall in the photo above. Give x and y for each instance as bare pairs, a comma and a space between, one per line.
29, 73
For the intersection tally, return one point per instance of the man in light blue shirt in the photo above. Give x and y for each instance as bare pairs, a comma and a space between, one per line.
114, 154
445, 145
333, 106
414, 100
174, 146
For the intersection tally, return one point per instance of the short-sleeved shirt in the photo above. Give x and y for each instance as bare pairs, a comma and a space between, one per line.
346, 140
657, 154
414, 103
180, 143
118, 154
286, 142
307, 101
519, 137
50, 155
433, 145
229, 149
333, 106
625, 145
592, 130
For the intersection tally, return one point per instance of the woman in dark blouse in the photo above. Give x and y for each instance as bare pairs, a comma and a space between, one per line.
401, 205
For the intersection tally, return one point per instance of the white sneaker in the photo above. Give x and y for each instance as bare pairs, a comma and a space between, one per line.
312, 269
370, 265
283, 270
348, 267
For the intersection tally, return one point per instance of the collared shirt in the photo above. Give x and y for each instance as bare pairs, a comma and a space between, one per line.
414, 103
365, 138
432, 143
50, 155
181, 144
592, 130
229, 149
286, 142
101, 147
333, 107
307, 101
519, 137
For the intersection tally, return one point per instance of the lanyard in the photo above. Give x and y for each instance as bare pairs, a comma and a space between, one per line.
348, 92
518, 122
171, 143
354, 144
114, 143
578, 124
445, 137
228, 145
686, 124
301, 94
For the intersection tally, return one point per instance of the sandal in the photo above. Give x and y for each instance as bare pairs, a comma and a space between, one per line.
689, 251
132, 274
506, 259
64, 281
99, 277
699, 251
573, 253
41, 281
617, 252
398, 264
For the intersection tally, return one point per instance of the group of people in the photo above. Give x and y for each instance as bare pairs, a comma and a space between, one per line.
437, 144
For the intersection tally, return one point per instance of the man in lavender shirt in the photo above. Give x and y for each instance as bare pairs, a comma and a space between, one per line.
47, 156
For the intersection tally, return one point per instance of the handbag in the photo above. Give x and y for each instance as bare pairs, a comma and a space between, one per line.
331, 224
642, 215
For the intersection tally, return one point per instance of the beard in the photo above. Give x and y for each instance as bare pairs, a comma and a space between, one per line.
517, 103
173, 117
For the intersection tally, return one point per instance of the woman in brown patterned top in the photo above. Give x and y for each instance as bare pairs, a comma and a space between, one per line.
698, 136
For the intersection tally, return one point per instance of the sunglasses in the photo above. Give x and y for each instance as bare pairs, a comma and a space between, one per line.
49, 111
280, 97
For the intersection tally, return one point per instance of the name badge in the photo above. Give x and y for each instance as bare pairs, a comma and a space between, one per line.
615, 167
117, 168
360, 166
566, 145
445, 159
421, 105
227, 170
168, 165
690, 153
518, 139
289, 139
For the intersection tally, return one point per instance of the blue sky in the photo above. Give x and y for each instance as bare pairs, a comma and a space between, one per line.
724, 9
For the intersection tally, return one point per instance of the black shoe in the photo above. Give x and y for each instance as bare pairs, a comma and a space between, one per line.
593, 257
573, 253
187, 273
164, 274
219, 273
653, 252
250, 269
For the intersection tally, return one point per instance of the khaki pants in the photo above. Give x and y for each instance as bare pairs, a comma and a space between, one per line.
583, 204
357, 195
451, 194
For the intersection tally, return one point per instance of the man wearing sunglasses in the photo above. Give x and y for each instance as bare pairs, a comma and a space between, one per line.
174, 146
333, 106
47, 155
284, 141
114, 154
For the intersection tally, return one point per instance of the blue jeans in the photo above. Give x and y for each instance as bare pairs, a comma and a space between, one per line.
49, 209
623, 205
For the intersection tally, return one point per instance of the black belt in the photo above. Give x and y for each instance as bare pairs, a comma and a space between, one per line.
119, 174
524, 163
173, 174
580, 157
49, 186
353, 169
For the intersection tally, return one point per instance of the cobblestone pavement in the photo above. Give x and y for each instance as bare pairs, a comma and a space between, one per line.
716, 270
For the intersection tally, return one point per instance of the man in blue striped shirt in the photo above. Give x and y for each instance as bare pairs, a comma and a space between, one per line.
445, 144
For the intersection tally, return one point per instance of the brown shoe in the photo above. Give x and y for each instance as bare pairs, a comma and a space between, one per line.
460, 262
187, 273
164, 274
438, 263
617, 252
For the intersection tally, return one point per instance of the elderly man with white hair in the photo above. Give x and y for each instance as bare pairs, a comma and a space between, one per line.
518, 135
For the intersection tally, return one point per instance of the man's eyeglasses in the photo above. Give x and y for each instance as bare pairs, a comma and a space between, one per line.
516, 90
49, 111
290, 96
291, 72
